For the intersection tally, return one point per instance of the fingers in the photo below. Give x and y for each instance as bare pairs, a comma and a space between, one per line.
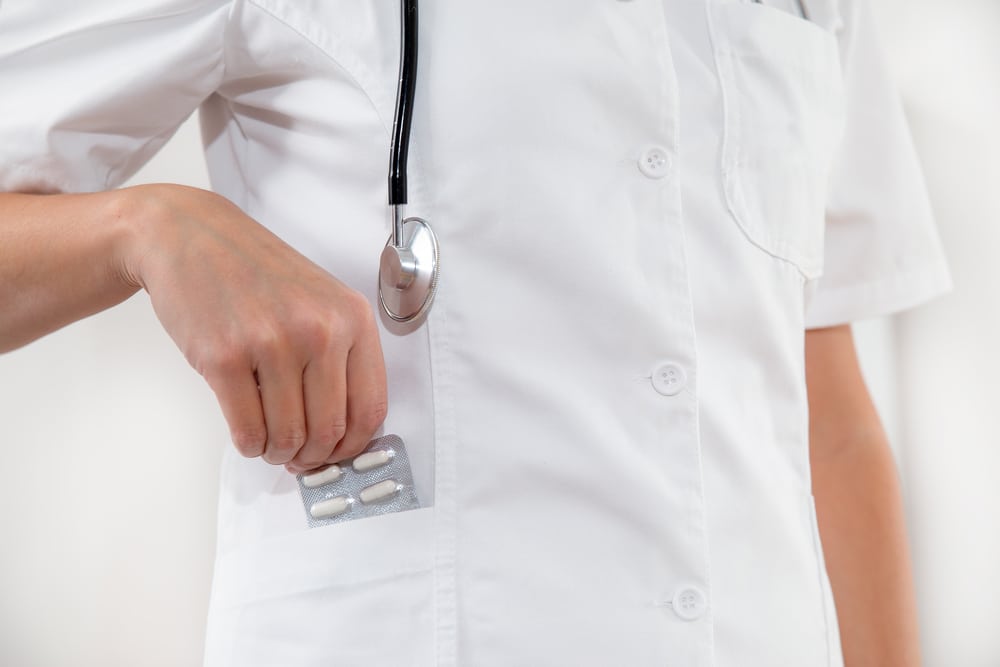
324, 385
320, 401
367, 403
236, 390
284, 412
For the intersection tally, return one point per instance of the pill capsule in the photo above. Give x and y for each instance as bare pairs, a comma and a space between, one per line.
372, 460
321, 477
330, 507
376, 492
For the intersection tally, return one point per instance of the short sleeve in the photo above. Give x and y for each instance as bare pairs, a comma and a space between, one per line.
882, 251
89, 91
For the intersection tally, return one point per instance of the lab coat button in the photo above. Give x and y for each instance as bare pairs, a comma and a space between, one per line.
689, 603
668, 379
654, 162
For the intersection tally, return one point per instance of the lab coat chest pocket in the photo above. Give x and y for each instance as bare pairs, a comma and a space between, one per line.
783, 102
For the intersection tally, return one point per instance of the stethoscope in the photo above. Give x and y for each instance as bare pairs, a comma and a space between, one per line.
408, 268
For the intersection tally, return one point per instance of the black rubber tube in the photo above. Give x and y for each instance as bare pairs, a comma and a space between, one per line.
404, 102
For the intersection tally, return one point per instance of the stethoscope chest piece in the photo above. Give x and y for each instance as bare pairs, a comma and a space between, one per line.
408, 268
408, 272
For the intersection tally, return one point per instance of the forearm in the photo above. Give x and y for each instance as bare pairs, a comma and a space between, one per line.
61, 261
860, 511
864, 542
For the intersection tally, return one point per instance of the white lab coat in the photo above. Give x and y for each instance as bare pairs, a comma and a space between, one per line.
641, 205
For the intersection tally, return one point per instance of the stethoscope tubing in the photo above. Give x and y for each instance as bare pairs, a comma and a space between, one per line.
403, 118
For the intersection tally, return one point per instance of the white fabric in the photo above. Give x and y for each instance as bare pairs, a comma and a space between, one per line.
606, 410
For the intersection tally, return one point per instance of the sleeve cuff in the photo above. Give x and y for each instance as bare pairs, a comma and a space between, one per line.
833, 306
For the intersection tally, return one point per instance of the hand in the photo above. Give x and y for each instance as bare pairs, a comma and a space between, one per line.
292, 354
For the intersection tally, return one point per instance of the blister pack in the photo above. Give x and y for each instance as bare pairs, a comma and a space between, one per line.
376, 481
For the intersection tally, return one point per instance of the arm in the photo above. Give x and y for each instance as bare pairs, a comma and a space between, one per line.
859, 509
292, 354
63, 260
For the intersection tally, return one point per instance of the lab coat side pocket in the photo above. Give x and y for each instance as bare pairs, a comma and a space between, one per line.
782, 96
354, 593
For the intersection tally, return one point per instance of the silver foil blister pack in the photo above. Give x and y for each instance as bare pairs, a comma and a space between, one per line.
376, 481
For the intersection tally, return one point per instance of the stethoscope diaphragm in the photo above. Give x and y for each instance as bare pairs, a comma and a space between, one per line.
408, 273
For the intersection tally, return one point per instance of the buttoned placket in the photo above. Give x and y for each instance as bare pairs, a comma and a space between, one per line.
683, 598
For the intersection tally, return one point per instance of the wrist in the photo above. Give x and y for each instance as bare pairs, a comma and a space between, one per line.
133, 215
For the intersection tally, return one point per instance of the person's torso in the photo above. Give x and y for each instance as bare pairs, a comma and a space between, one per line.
606, 407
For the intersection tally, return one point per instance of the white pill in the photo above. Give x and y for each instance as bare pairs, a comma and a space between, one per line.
330, 507
380, 491
373, 460
324, 476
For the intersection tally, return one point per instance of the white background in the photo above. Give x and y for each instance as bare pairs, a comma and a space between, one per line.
111, 444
